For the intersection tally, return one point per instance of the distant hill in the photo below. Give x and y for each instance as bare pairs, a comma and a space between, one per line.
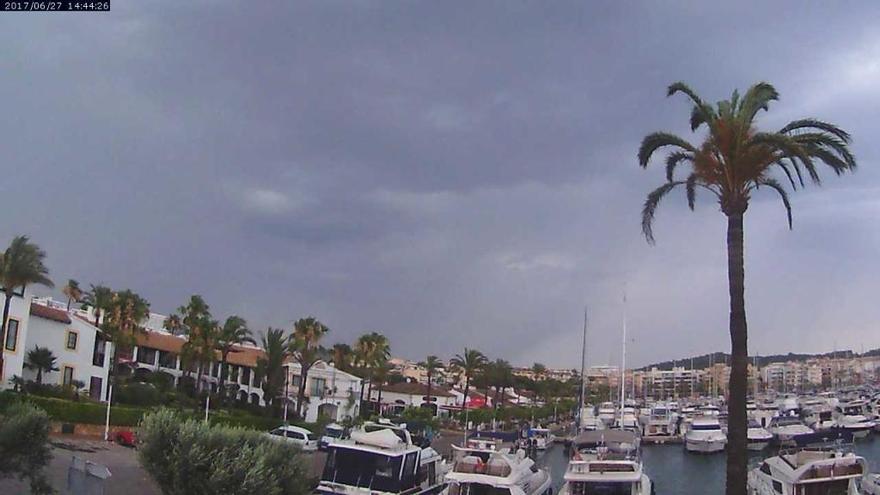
705, 360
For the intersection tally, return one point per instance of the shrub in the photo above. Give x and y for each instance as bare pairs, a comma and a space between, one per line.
137, 394
190, 457
24, 445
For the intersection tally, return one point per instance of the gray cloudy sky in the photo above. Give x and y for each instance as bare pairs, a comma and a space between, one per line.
449, 173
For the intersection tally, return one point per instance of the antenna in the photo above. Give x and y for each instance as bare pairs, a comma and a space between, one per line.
623, 361
583, 376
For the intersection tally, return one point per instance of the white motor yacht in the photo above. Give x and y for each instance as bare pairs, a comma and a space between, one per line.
543, 438
491, 470
589, 421
704, 435
808, 471
606, 462
758, 437
852, 416
607, 412
380, 459
818, 415
661, 422
787, 429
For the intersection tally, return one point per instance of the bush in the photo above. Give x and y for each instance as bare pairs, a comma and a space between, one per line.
190, 457
137, 394
24, 445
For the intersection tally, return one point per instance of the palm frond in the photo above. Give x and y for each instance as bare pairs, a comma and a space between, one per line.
826, 140
781, 164
757, 98
650, 208
674, 159
789, 148
691, 190
817, 124
657, 140
773, 184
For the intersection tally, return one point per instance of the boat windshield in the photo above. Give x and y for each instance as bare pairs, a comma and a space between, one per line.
476, 489
831, 487
363, 469
709, 427
600, 488
785, 422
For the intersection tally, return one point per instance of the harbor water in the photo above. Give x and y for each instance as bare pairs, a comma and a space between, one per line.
676, 472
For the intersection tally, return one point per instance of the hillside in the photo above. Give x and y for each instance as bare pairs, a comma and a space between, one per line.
705, 360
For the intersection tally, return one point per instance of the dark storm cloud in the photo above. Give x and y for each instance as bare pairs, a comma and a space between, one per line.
448, 173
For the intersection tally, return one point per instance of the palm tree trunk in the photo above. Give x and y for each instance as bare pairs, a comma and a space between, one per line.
467, 385
301, 393
222, 390
39, 376
428, 397
737, 454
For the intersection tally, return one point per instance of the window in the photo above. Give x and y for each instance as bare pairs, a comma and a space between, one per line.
99, 351
145, 355
246, 375
295, 435
318, 385
95, 385
167, 359
72, 338
68, 375
296, 381
777, 486
11, 335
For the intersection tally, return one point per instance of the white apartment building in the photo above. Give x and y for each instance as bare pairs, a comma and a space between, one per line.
399, 396
82, 355
330, 392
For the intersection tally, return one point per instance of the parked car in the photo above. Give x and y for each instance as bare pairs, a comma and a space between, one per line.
303, 438
332, 432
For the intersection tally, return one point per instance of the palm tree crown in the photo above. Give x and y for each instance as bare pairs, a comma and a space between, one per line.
469, 363
735, 159
42, 360
73, 292
98, 298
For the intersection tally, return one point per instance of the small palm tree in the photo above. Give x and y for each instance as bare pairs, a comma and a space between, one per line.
431, 364
270, 367
20, 265
307, 333
470, 363
73, 292
99, 298
123, 320
234, 332
194, 320
42, 360
734, 161
371, 350
342, 356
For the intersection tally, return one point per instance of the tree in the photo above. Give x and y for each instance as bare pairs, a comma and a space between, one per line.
234, 332
270, 367
99, 298
73, 292
123, 320
380, 374
20, 265
734, 161
342, 357
307, 333
539, 371
502, 378
194, 320
42, 360
469, 363
371, 350
24, 445
431, 364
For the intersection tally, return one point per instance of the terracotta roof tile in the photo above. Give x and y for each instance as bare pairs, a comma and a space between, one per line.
417, 389
243, 356
48, 313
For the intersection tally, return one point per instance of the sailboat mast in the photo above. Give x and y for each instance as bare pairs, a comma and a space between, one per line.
623, 362
583, 376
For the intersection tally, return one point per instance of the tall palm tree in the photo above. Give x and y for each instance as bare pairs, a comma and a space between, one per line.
194, 320
735, 160
371, 350
98, 298
503, 378
270, 367
304, 345
73, 292
234, 332
431, 364
123, 320
342, 356
380, 374
20, 265
469, 363
41, 359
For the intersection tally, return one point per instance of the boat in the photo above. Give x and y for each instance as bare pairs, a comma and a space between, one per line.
491, 469
758, 437
606, 462
787, 429
808, 471
381, 459
543, 438
704, 435
819, 416
852, 416
661, 422
607, 412
589, 421
870, 485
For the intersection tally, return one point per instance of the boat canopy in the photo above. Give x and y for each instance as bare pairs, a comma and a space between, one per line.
605, 437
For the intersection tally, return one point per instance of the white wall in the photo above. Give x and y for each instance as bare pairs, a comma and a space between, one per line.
13, 361
341, 390
53, 334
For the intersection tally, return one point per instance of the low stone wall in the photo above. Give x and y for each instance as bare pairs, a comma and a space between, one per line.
84, 430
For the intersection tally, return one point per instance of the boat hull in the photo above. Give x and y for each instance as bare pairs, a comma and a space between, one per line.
757, 445
704, 446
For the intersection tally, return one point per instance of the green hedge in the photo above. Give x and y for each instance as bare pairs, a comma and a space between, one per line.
95, 413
